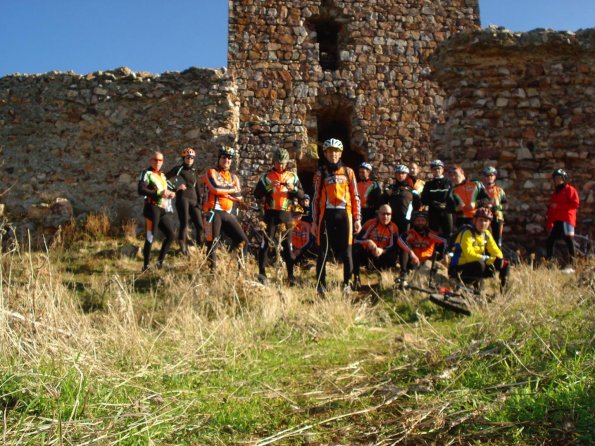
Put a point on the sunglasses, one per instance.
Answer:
(158, 159)
(227, 157)
(386, 213)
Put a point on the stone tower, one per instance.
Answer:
(356, 70)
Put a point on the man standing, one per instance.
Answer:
(435, 197)
(369, 191)
(157, 209)
(188, 199)
(335, 212)
(279, 187)
(222, 192)
(401, 198)
(497, 200)
(465, 196)
(561, 214)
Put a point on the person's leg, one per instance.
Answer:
(471, 273)
(213, 235)
(263, 257)
(167, 227)
(196, 218)
(182, 208)
(323, 252)
(497, 228)
(151, 214)
(232, 228)
(569, 239)
(556, 232)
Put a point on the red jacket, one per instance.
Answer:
(563, 205)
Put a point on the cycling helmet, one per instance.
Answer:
(188, 151)
(333, 143)
(226, 151)
(483, 213)
(489, 170)
(436, 163)
(401, 168)
(280, 156)
(560, 173)
(366, 166)
(306, 197)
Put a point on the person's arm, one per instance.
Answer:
(355, 202)
(297, 190)
(260, 191)
(145, 188)
(316, 201)
(573, 198)
(492, 248)
(218, 189)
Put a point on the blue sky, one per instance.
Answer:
(156, 35)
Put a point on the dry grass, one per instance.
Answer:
(187, 321)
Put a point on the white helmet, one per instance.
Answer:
(333, 143)
(401, 168)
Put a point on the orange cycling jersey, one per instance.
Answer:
(466, 193)
(497, 199)
(364, 189)
(384, 236)
(222, 189)
(275, 184)
(300, 236)
(335, 190)
(423, 246)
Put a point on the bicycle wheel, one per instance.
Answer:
(455, 304)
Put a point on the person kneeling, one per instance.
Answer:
(418, 245)
(377, 242)
(476, 253)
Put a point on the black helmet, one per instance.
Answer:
(227, 151)
(560, 173)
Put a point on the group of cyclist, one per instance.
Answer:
(349, 217)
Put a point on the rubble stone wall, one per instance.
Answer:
(524, 103)
(379, 91)
(87, 138)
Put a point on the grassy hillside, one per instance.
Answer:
(94, 353)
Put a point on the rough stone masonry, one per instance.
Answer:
(397, 80)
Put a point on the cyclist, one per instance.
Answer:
(302, 244)
(377, 241)
(222, 194)
(369, 191)
(464, 197)
(561, 214)
(279, 187)
(418, 183)
(418, 245)
(336, 212)
(435, 197)
(188, 198)
(497, 200)
(476, 255)
(157, 209)
(400, 197)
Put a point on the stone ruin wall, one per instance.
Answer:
(524, 103)
(87, 138)
(521, 102)
(379, 92)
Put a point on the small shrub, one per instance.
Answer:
(97, 225)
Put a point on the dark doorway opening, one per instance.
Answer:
(331, 121)
(327, 36)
